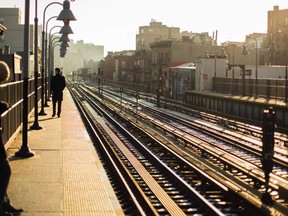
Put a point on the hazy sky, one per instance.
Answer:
(115, 23)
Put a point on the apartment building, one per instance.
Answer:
(277, 33)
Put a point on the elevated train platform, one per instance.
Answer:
(65, 176)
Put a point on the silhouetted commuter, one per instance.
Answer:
(5, 170)
(57, 86)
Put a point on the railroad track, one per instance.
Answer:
(195, 179)
(248, 139)
(234, 158)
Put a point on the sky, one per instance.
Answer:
(115, 23)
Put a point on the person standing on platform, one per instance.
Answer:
(57, 86)
(5, 170)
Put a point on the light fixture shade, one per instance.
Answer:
(63, 52)
(273, 47)
(66, 29)
(64, 38)
(64, 44)
(244, 50)
(206, 54)
(63, 48)
(66, 14)
(223, 53)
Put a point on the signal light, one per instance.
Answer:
(268, 129)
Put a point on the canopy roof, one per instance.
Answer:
(2, 29)
(189, 65)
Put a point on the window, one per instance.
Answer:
(160, 58)
(167, 57)
(124, 75)
(123, 64)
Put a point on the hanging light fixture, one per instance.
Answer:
(206, 54)
(66, 14)
(223, 53)
(244, 50)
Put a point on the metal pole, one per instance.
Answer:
(102, 84)
(256, 67)
(36, 125)
(52, 62)
(233, 71)
(50, 56)
(121, 91)
(286, 83)
(24, 151)
(215, 65)
(215, 68)
(42, 111)
(286, 73)
(137, 97)
(99, 88)
(49, 69)
(48, 62)
(46, 73)
(165, 89)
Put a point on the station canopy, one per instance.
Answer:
(2, 29)
(188, 65)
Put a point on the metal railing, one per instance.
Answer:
(11, 120)
(267, 88)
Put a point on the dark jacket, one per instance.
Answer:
(3, 107)
(3, 154)
(57, 86)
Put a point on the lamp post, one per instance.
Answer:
(286, 81)
(24, 150)
(49, 63)
(233, 71)
(286, 69)
(245, 52)
(65, 15)
(207, 55)
(137, 102)
(121, 92)
(52, 54)
(36, 125)
(42, 111)
(48, 92)
(47, 98)
(223, 54)
(215, 62)
(52, 41)
(63, 38)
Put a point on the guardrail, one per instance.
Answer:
(267, 88)
(11, 120)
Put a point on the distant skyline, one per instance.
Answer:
(114, 24)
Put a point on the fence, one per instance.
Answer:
(12, 93)
(267, 88)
